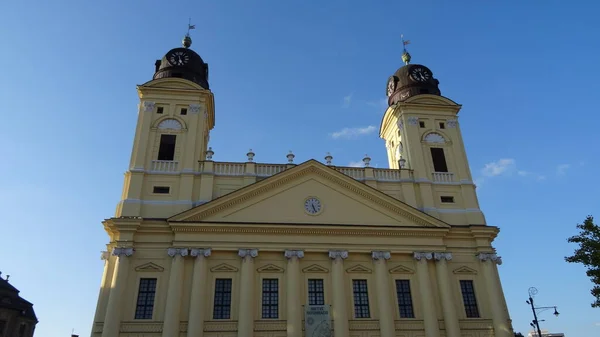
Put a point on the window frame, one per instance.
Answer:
(360, 304)
(160, 143)
(308, 291)
(270, 305)
(474, 298)
(214, 299)
(443, 153)
(410, 298)
(137, 298)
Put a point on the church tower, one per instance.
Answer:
(175, 116)
(422, 135)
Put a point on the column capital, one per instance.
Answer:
(293, 253)
(104, 255)
(381, 255)
(122, 251)
(442, 256)
(172, 252)
(195, 108)
(489, 257)
(423, 256)
(338, 254)
(248, 253)
(195, 252)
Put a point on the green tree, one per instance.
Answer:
(588, 254)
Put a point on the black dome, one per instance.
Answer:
(411, 80)
(183, 63)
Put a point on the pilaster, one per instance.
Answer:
(112, 320)
(386, 316)
(427, 302)
(500, 317)
(246, 307)
(294, 314)
(198, 293)
(173, 306)
(448, 307)
(340, 315)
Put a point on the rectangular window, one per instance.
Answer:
(183, 111)
(161, 189)
(447, 199)
(316, 293)
(469, 300)
(159, 110)
(405, 306)
(145, 300)
(166, 150)
(439, 159)
(270, 298)
(442, 125)
(222, 305)
(421, 124)
(361, 299)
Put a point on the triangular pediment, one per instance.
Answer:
(270, 268)
(149, 267)
(224, 268)
(359, 268)
(464, 270)
(315, 268)
(401, 270)
(282, 198)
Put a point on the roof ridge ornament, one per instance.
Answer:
(187, 40)
(405, 54)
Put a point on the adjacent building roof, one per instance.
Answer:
(10, 299)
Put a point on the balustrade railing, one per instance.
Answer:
(443, 177)
(164, 166)
(229, 169)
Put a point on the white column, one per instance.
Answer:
(294, 303)
(100, 305)
(112, 320)
(173, 306)
(429, 313)
(340, 315)
(246, 307)
(500, 317)
(198, 295)
(383, 290)
(450, 316)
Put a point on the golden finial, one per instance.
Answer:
(187, 40)
(405, 54)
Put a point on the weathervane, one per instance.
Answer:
(405, 54)
(187, 40)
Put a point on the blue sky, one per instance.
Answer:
(307, 76)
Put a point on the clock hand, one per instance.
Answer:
(313, 207)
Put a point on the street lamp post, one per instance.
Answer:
(536, 323)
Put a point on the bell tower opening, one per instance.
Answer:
(166, 150)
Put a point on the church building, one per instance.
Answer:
(201, 248)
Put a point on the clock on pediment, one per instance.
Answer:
(313, 205)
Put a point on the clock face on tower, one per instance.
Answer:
(420, 74)
(312, 205)
(179, 58)
(391, 86)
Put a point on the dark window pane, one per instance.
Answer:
(439, 159)
(316, 294)
(222, 305)
(270, 298)
(469, 300)
(405, 306)
(145, 300)
(161, 189)
(166, 150)
(361, 299)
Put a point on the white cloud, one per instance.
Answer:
(499, 167)
(562, 169)
(347, 101)
(355, 164)
(349, 133)
(531, 174)
(380, 104)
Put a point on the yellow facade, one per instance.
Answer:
(189, 229)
